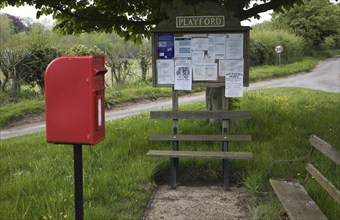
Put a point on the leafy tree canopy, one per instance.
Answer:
(131, 19)
(315, 20)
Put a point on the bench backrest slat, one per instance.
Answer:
(325, 148)
(200, 114)
(200, 138)
(324, 182)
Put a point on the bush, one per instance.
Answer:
(263, 42)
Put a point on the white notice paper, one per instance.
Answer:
(217, 46)
(197, 57)
(200, 43)
(234, 46)
(183, 74)
(165, 71)
(202, 72)
(182, 47)
(234, 85)
(231, 66)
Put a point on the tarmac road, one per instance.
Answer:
(325, 77)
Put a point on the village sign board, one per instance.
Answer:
(199, 21)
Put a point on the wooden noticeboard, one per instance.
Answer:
(203, 56)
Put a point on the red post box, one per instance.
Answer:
(74, 97)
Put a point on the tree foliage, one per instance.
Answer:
(36, 63)
(120, 63)
(5, 29)
(315, 20)
(131, 19)
(18, 24)
(12, 65)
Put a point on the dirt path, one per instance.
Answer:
(197, 202)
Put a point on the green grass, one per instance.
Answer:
(37, 178)
(15, 111)
(269, 72)
(282, 121)
(139, 90)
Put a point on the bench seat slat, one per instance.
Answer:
(200, 138)
(200, 114)
(296, 201)
(325, 148)
(201, 154)
(324, 182)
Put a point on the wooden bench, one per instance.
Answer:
(224, 138)
(201, 154)
(294, 198)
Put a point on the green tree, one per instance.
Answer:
(119, 62)
(82, 50)
(18, 25)
(5, 29)
(315, 20)
(144, 58)
(12, 65)
(35, 65)
(131, 19)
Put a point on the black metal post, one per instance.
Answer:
(174, 162)
(78, 181)
(225, 161)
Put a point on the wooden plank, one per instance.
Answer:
(200, 138)
(325, 148)
(201, 154)
(200, 114)
(296, 201)
(324, 182)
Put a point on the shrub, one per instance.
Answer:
(263, 42)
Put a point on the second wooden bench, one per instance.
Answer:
(224, 138)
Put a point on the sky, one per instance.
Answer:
(30, 11)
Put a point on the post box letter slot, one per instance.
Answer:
(100, 123)
(99, 109)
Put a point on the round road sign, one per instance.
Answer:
(279, 49)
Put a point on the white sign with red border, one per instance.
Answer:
(279, 49)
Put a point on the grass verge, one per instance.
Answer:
(37, 178)
(16, 111)
(138, 91)
(269, 72)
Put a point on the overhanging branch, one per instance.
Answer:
(271, 5)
